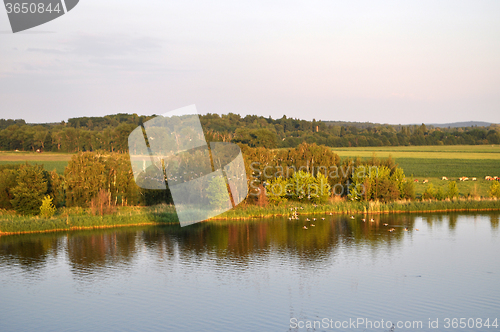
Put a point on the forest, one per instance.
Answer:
(110, 133)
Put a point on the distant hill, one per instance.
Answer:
(364, 125)
(460, 124)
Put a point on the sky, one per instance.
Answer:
(378, 61)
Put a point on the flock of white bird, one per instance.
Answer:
(295, 216)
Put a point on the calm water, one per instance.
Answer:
(269, 275)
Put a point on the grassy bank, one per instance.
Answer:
(347, 207)
(78, 218)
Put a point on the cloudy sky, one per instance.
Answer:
(379, 61)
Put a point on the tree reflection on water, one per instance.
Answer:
(91, 252)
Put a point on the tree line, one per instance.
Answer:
(110, 133)
(96, 175)
(307, 173)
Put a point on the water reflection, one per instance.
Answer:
(90, 252)
(494, 221)
(29, 252)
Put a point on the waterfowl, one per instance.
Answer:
(313, 225)
(406, 229)
(386, 224)
(307, 219)
(314, 219)
(352, 217)
(363, 219)
(392, 230)
(323, 218)
(417, 229)
(305, 227)
(372, 220)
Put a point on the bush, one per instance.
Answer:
(276, 191)
(430, 192)
(452, 190)
(102, 204)
(408, 190)
(385, 190)
(47, 209)
(494, 190)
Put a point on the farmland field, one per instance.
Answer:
(50, 161)
(427, 152)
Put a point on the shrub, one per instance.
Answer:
(102, 204)
(430, 192)
(452, 190)
(47, 209)
(408, 190)
(440, 195)
(385, 190)
(494, 190)
(262, 200)
(277, 191)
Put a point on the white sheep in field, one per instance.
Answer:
(425, 181)
(474, 179)
(444, 178)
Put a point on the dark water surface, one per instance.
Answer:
(270, 275)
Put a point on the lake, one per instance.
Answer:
(267, 275)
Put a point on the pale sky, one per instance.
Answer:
(378, 61)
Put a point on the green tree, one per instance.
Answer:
(30, 189)
(85, 175)
(217, 192)
(8, 180)
(47, 209)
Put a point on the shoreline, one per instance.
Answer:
(79, 219)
